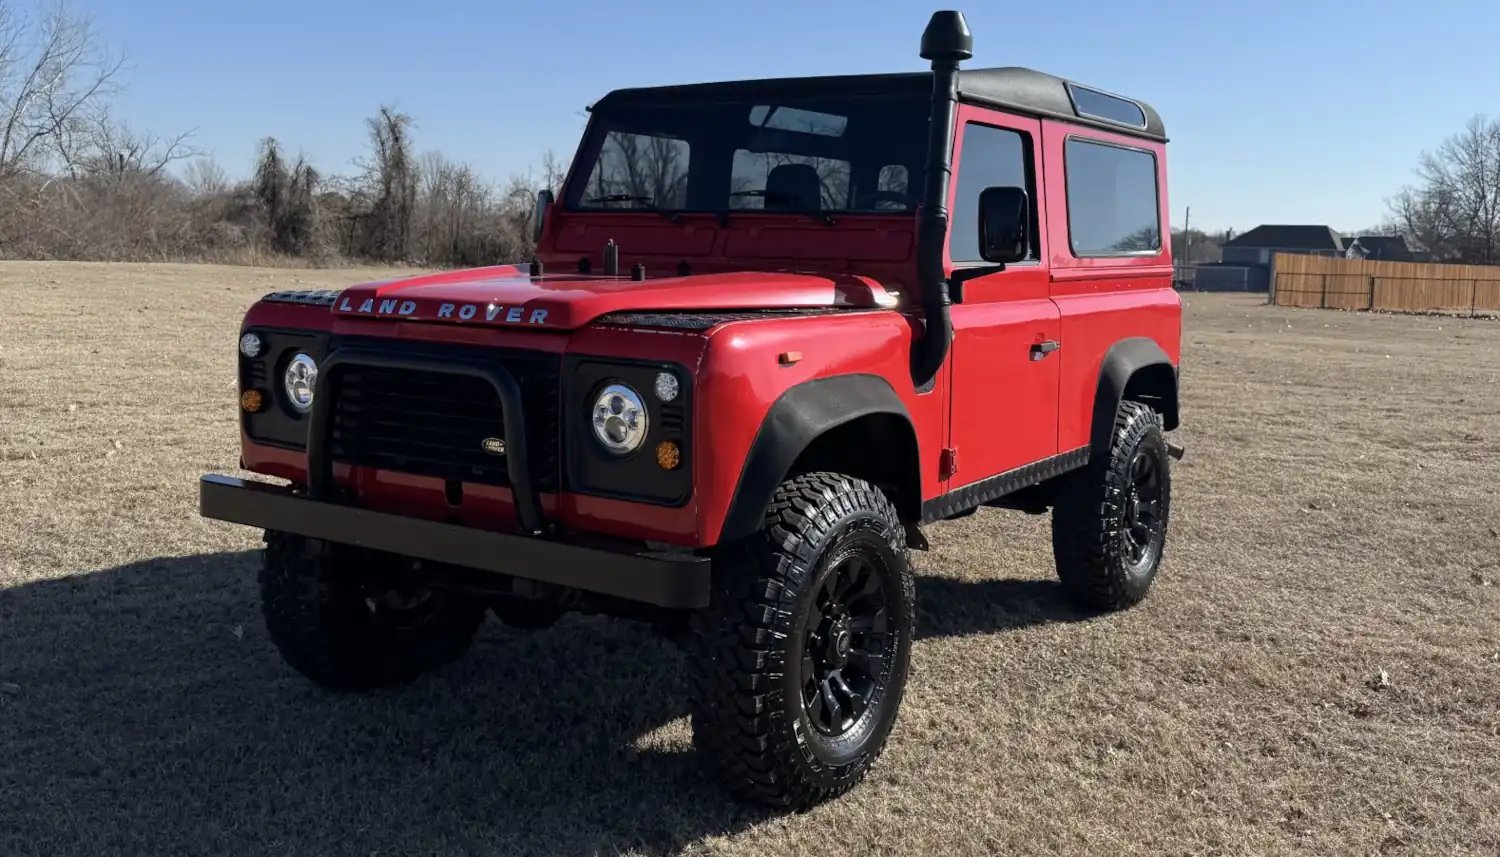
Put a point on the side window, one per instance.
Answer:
(1112, 199)
(639, 167)
(990, 157)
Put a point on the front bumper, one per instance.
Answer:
(667, 580)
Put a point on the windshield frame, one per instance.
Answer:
(901, 129)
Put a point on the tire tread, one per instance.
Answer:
(737, 661)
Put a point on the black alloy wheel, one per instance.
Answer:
(844, 666)
(800, 661)
(1143, 530)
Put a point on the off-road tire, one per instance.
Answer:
(315, 610)
(749, 673)
(1090, 519)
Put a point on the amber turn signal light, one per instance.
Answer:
(668, 456)
(251, 401)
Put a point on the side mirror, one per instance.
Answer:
(543, 200)
(1004, 213)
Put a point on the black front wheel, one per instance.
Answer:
(340, 621)
(801, 661)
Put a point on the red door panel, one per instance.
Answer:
(1003, 400)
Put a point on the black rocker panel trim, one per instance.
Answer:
(1121, 361)
(976, 494)
(794, 421)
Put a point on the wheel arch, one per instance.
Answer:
(1135, 369)
(853, 424)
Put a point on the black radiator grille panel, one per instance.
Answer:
(435, 423)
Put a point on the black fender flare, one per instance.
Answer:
(798, 417)
(1121, 362)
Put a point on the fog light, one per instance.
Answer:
(251, 400)
(668, 456)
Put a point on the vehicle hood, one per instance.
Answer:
(507, 296)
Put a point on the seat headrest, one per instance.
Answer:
(793, 186)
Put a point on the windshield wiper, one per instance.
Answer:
(788, 199)
(645, 201)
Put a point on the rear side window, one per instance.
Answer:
(990, 157)
(1112, 199)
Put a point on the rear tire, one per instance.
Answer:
(1109, 526)
(333, 624)
(800, 662)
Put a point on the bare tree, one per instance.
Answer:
(554, 172)
(391, 182)
(1454, 209)
(99, 146)
(205, 177)
(52, 71)
(288, 196)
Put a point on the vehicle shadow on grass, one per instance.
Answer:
(143, 710)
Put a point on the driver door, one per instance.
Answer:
(1004, 366)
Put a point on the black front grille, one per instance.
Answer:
(433, 423)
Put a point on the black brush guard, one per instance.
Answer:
(664, 579)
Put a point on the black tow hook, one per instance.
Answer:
(1175, 450)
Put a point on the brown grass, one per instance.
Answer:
(1335, 521)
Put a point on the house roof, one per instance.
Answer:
(1012, 88)
(1298, 237)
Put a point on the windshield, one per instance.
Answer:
(828, 154)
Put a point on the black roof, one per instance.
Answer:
(1014, 89)
(1289, 236)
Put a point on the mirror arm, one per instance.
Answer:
(962, 275)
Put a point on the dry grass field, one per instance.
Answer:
(1317, 671)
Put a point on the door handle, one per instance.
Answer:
(1042, 349)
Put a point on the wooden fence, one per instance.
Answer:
(1330, 283)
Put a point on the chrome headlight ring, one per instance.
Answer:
(620, 419)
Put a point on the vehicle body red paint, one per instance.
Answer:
(994, 404)
(738, 398)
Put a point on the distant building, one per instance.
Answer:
(1245, 260)
(1258, 245)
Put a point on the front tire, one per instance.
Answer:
(333, 623)
(1109, 527)
(800, 662)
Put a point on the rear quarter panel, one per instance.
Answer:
(1103, 300)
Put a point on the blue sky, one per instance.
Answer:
(1280, 111)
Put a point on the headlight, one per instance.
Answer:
(620, 419)
(300, 380)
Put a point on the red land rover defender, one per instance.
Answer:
(771, 329)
